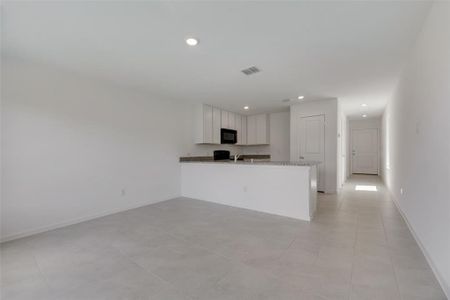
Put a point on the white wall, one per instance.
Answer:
(342, 147)
(71, 144)
(370, 123)
(329, 108)
(279, 138)
(416, 135)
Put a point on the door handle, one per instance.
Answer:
(302, 157)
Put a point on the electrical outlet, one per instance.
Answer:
(401, 191)
(123, 192)
(245, 189)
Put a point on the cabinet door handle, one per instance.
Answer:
(302, 157)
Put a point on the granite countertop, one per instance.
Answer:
(266, 163)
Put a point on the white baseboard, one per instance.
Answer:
(34, 231)
(432, 265)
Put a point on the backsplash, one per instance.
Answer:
(207, 150)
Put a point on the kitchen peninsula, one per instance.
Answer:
(283, 188)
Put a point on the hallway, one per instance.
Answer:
(367, 226)
(357, 247)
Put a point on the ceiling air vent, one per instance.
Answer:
(250, 71)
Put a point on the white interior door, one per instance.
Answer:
(312, 145)
(365, 151)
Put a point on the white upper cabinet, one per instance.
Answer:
(238, 127)
(258, 129)
(241, 127)
(231, 120)
(216, 125)
(262, 129)
(243, 130)
(207, 124)
(224, 121)
(203, 124)
(251, 130)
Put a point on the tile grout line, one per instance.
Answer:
(170, 234)
(235, 261)
(364, 211)
(148, 271)
(47, 283)
(391, 258)
(354, 257)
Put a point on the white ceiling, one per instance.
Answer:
(352, 51)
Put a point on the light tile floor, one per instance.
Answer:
(357, 247)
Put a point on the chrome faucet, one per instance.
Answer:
(236, 156)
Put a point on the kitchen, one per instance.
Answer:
(224, 150)
(244, 179)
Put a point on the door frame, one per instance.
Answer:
(378, 150)
(324, 149)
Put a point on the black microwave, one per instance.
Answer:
(228, 136)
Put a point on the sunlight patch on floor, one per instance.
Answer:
(369, 188)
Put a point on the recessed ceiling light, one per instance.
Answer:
(246, 107)
(191, 41)
(300, 97)
(364, 116)
(363, 105)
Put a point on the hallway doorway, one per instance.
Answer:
(365, 151)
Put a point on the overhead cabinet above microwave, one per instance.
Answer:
(209, 120)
